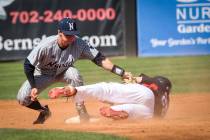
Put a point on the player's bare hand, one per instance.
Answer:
(34, 94)
(127, 77)
(138, 79)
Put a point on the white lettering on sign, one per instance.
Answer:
(182, 28)
(102, 41)
(193, 16)
(19, 44)
(155, 42)
(28, 43)
(173, 42)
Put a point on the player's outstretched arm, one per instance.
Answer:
(108, 65)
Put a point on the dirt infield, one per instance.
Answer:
(188, 118)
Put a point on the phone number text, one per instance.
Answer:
(50, 16)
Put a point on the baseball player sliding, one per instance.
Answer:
(53, 61)
(144, 98)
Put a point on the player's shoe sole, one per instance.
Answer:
(110, 113)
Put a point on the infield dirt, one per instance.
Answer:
(188, 118)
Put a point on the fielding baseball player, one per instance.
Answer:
(52, 61)
(147, 97)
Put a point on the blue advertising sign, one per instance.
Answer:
(173, 27)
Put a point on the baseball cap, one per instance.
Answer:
(68, 26)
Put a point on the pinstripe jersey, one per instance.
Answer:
(49, 59)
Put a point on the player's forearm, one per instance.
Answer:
(105, 63)
(108, 65)
(29, 72)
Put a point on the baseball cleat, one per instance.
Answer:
(83, 114)
(43, 116)
(110, 113)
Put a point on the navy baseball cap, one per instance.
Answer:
(68, 26)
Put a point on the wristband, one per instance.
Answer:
(118, 70)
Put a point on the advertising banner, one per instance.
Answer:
(173, 27)
(23, 23)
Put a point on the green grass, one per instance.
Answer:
(22, 134)
(188, 74)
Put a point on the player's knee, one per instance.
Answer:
(73, 77)
(78, 81)
(23, 99)
(23, 95)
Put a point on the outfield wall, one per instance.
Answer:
(116, 28)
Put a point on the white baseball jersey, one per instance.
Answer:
(49, 59)
(135, 99)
